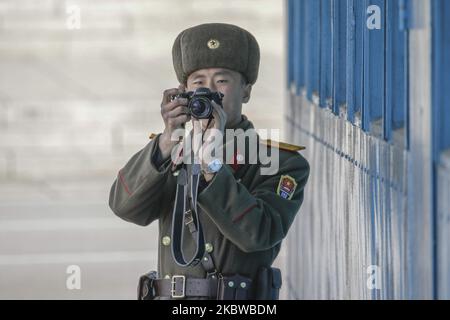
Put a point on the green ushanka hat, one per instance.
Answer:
(216, 45)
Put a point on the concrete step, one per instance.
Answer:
(36, 115)
(69, 235)
(25, 199)
(80, 78)
(113, 276)
(125, 26)
(44, 164)
(265, 8)
(70, 135)
(48, 25)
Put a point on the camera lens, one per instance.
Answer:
(200, 108)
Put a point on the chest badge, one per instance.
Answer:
(286, 187)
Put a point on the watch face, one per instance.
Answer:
(215, 165)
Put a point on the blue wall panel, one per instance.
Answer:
(291, 43)
(396, 71)
(441, 138)
(374, 63)
(326, 75)
(312, 46)
(359, 14)
(351, 60)
(339, 31)
(299, 33)
(441, 78)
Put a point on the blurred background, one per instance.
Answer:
(81, 84)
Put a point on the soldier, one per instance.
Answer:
(244, 215)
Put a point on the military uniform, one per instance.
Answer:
(245, 215)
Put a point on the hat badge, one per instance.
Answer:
(213, 43)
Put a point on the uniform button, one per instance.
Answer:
(209, 247)
(243, 284)
(166, 240)
(231, 284)
(167, 276)
(205, 258)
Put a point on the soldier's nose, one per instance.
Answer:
(212, 87)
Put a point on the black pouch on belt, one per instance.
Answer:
(268, 284)
(145, 290)
(234, 287)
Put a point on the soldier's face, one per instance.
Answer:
(230, 83)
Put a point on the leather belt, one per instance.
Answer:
(180, 287)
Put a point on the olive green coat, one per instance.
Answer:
(243, 217)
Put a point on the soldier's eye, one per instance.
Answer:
(222, 81)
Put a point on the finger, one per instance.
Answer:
(196, 133)
(179, 121)
(167, 94)
(174, 104)
(197, 125)
(218, 113)
(218, 109)
(177, 111)
(205, 123)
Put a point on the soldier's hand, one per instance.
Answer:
(175, 114)
(217, 122)
(212, 133)
(219, 117)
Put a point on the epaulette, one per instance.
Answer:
(282, 145)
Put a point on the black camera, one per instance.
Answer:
(199, 102)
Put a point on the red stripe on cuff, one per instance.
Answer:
(244, 213)
(122, 180)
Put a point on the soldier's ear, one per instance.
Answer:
(246, 93)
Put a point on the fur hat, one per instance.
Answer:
(216, 45)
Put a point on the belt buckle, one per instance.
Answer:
(173, 290)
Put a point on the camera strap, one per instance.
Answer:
(185, 212)
(194, 172)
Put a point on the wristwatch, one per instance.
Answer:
(214, 166)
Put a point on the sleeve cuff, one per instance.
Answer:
(158, 163)
(223, 198)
